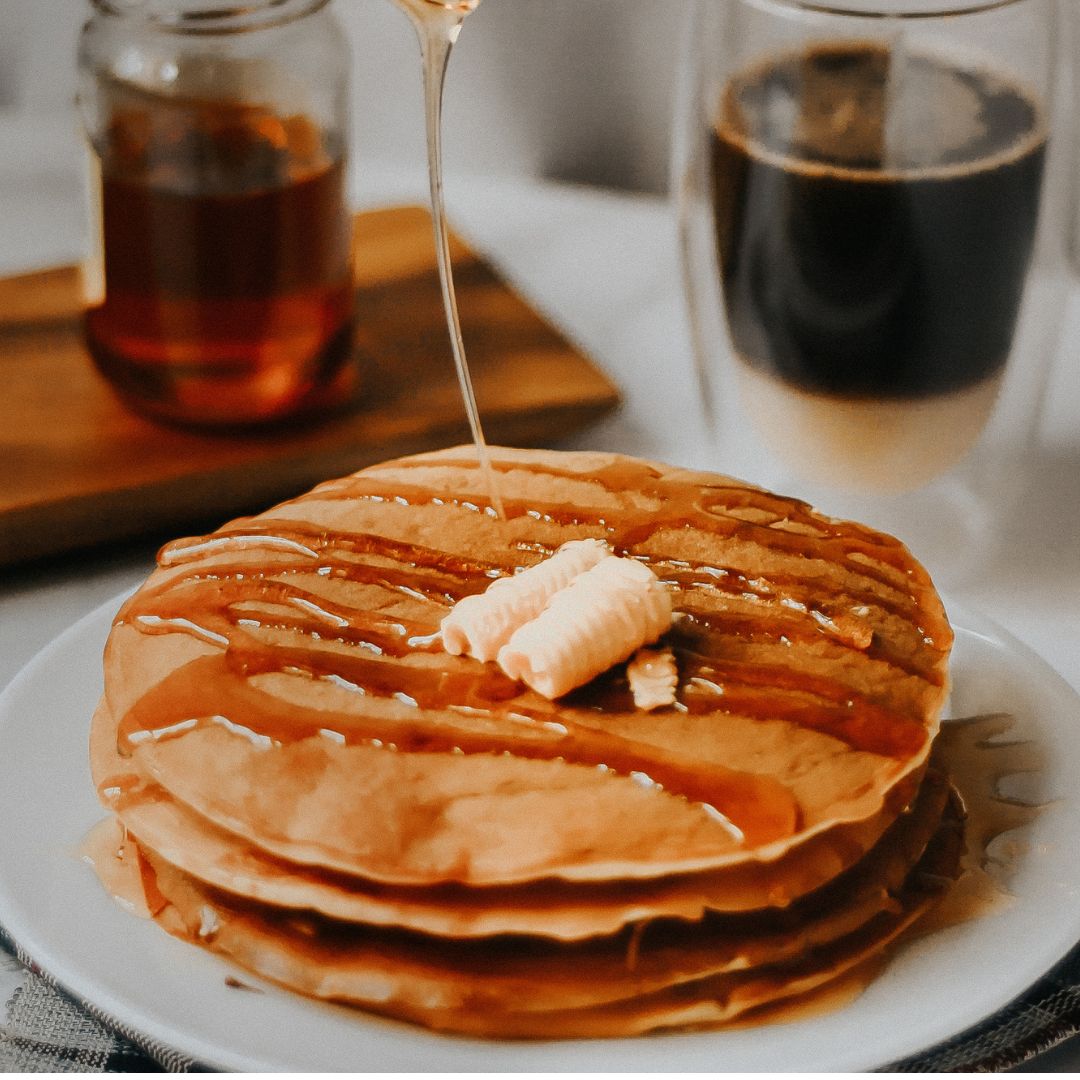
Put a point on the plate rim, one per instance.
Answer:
(133, 1019)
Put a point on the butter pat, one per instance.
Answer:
(601, 618)
(481, 625)
(653, 677)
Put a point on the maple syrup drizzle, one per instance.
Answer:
(979, 753)
(861, 552)
(213, 687)
(769, 627)
(861, 726)
(323, 542)
(628, 475)
(120, 867)
(259, 601)
(437, 24)
(776, 588)
(743, 687)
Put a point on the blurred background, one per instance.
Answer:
(574, 90)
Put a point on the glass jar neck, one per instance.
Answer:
(209, 16)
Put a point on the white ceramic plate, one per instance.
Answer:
(935, 987)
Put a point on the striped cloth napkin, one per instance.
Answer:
(42, 1029)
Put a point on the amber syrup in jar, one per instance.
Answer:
(226, 287)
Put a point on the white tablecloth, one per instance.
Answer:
(603, 267)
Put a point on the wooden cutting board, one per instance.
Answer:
(77, 469)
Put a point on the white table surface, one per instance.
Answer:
(603, 267)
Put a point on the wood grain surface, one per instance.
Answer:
(80, 470)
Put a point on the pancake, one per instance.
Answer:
(512, 987)
(550, 909)
(282, 732)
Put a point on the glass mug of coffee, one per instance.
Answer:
(220, 293)
(872, 216)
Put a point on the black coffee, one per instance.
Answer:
(871, 249)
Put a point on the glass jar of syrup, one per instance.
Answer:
(221, 291)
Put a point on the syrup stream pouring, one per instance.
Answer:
(438, 23)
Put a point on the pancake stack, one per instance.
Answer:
(313, 787)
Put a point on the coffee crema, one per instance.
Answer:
(875, 221)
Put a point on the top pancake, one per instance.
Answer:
(283, 679)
